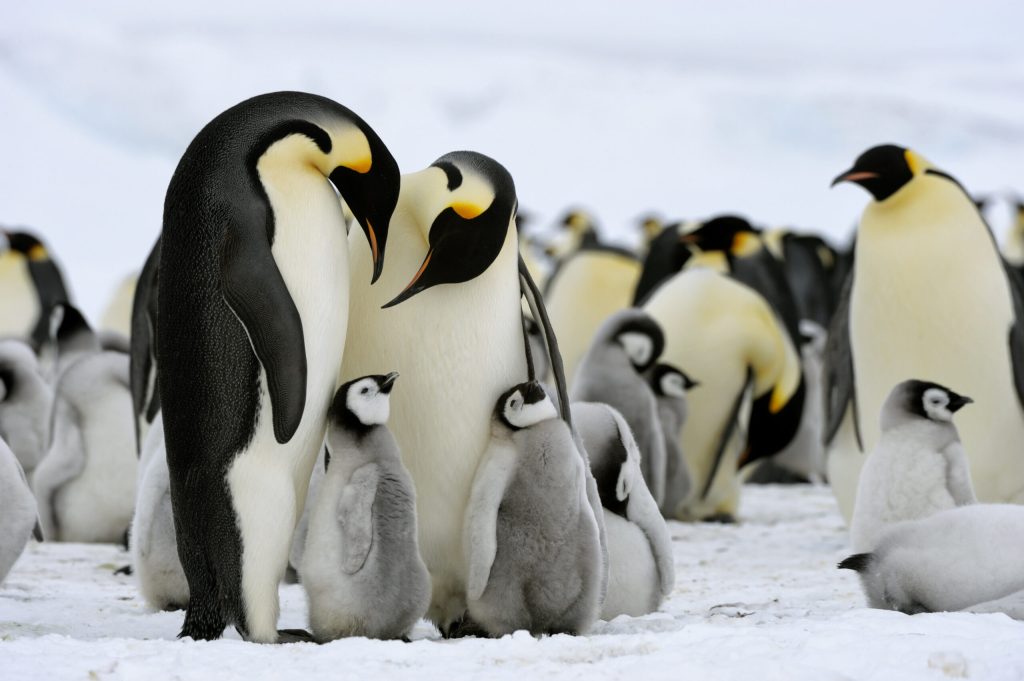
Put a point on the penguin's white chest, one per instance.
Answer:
(20, 305)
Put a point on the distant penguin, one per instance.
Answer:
(532, 540)
(670, 386)
(649, 226)
(70, 338)
(85, 485)
(807, 262)
(32, 284)
(17, 510)
(751, 396)
(25, 400)
(117, 315)
(667, 254)
(362, 569)
(145, 391)
(918, 466)
(251, 324)
(968, 558)
(1013, 245)
(929, 296)
(153, 543)
(576, 229)
(447, 315)
(641, 571)
(626, 345)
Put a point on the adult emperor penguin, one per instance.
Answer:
(361, 568)
(1013, 245)
(928, 296)
(457, 341)
(918, 466)
(25, 400)
(254, 282)
(751, 395)
(17, 510)
(967, 558)
(32, 284)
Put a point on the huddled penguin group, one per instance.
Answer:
(336, 372)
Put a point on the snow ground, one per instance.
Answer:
(687, 109)
(761, 599)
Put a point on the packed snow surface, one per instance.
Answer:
(758, 600)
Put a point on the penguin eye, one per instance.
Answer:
(514, 403)
(364, 391)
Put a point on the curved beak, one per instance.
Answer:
(388, 382)
(414, 286)
(958, 401)
(853, 175)
(376, 250)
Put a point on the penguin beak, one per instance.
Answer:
(689, 383)
(854, 175)
(388, 382)
(414, 286)
(956, 402)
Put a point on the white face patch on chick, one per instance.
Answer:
(936, 404)
(365, 399)
(520, 414)
(673, 385)
(639, 347)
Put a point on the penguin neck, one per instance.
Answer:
(713, 260)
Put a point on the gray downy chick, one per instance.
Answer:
(25, 399)
(670, 385)
(17, 510)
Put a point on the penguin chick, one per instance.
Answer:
(670, 386)
(641, 571)
(968, 558)
(25, 399)
(85, 484)
(17, 510)
(531, 536)
(362, 569)
(918, 466)
(627, 344)
(302, 528)
(154, 546)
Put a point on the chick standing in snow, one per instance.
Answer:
(17, 510)
(918, 466)
(670, 386)
(362, 569)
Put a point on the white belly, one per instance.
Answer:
(19, 304)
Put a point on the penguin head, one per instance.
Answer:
(525, 405)
(885, 169)
(364, 402)
(26, 244)
(470, 200)
(729, 234)
(575, 230)
(636, 333)
(650, 226)
(916, 399)
(670, 381)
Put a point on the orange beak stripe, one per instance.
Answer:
(423, 268)
(373, 241)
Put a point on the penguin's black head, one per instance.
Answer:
(670, 381)
(927, 400)
(363, 403)
(467, 235)
(637, 334)
(650, 226)
(28, 245)
(371, 193)
(726, 233)
(885, 169)
(525, 405)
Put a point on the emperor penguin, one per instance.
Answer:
(807, 262)
(586, 287)
(670, 386)
(17, 510)
(576, 229)
(153, 540)
(967, 558)
(70, 338)
(667, 254)
(447, 315)
(929, 296)
(85, 485)
(142, 365)
(918, 466)
(1013, 245)
(641, 569)
(32, 284)
(626, 345)
(25, 400)
(117, 315)
(251, 323)
(531, 536)
(362, 570)
(751, 396)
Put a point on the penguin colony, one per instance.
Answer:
(241, 421)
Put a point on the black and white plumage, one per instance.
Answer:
(929, 296)
(532, 539)
(641, 571)
(626, 345)
(361, 569)
(25, 400)
(145, 391)
(17, 510)
(918, 466)
(670, 386)
(968, 558)
(32, 284)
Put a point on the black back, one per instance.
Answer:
(666, 256)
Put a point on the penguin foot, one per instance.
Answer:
(462, 628)
(294, 636)
(291, 575)
(123, 570)
(723, 518)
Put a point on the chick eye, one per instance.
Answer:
(364, 391)
(514, 404)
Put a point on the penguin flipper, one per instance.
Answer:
(838, 369)
(355, 517)
(257, 294)
(143, 338)
(480, 530)
(1015, 280)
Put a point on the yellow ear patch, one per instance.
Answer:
(914, 162)
(466, 210)
(37, 253)
(778, 400)
(361, 165)
(744, 244)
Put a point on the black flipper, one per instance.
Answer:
(1016, 339)
(259, 297)
(840, 392)
(769, 433)
(858, 562)
(730, 426)
(540, 315)
(143, 341)
(50, 290)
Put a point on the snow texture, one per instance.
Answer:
(762, 599)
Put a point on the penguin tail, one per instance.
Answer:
(858, 562)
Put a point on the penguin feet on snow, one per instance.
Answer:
(918, 466)
(531, 537)
(641, 572)
(25, 399)
(362, 569)
(17, 510)
(968, 558)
